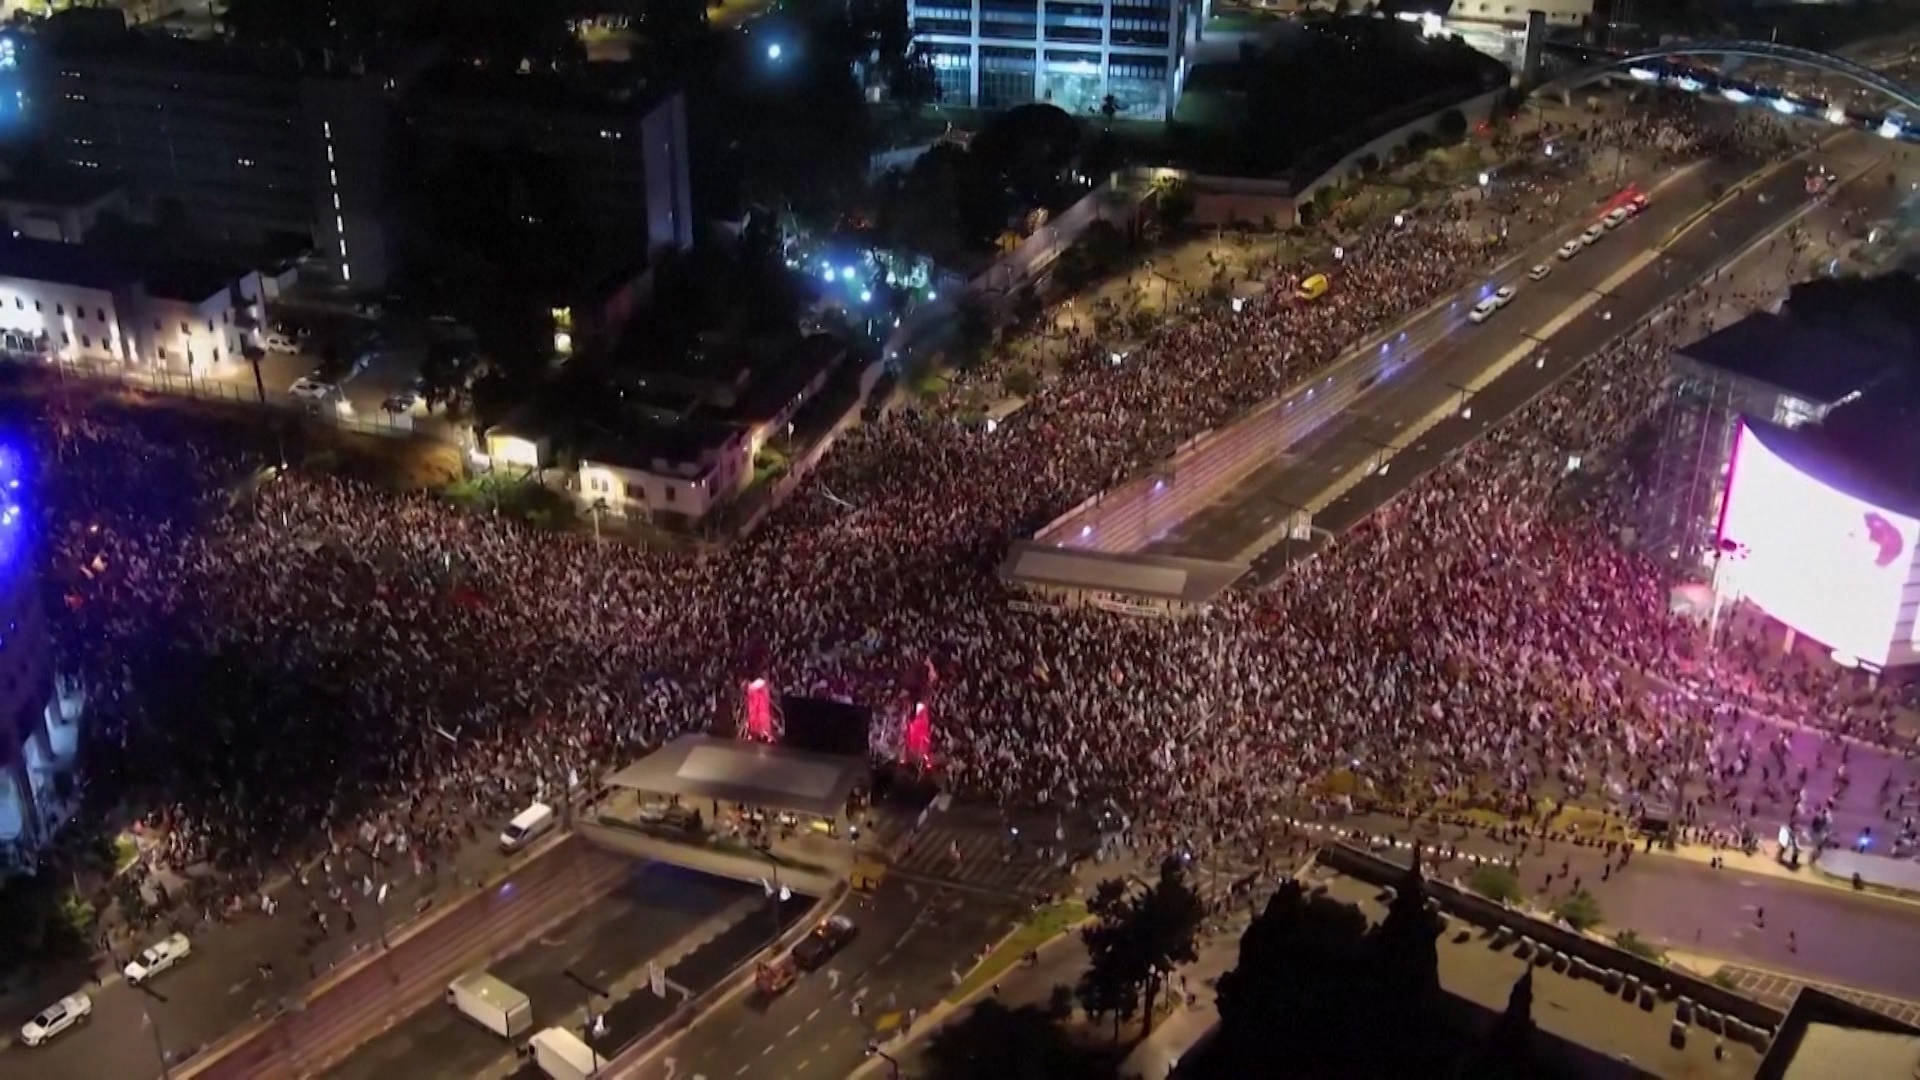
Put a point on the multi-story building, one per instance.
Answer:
(994, 54)
(74, 304)
(39, 712)
(622, 145)
(253, 145)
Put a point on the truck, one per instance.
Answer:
(492, 1004)
(564, 1056)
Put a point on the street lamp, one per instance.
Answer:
(773, 51)
(1484, 179)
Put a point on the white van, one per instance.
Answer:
(563, 1055)
(526, 826)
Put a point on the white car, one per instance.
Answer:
(157, 958)
(1539, 271)
(280, 343)
(308, 388)
(1569, 249)
(1593, 234)
(56, 1018)
(1617, 217)
(1503, 295)
(1484, 310)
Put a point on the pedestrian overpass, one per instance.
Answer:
(1736, 49)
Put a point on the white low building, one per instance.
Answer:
(67, 303)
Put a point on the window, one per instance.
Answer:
(156, 326)
(185, 329)
(86, 342)
(209, 326)
(19, 303)
(64, 339)
(59, 309)
(163, 352)
(102, 312)
(37, 307)
(669, 490)
(216, 354)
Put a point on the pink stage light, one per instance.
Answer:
(759, 711)
(1829, 564)
(917, 747)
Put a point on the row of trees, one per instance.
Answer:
(1316, 992)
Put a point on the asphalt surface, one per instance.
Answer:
(220, 986)
(913, 937)
(1851, 939)
(1725, 232)
(310, 1034)
(1563, 317)
(653, 906)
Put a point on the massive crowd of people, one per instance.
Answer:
(285, 663)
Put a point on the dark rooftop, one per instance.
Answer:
(635, 445)
(1818, 364)
(60, 187)
(604, 86)
(187, 280)
(71, 264)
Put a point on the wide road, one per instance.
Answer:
(1711, 243)
(652, 908)
(912, 937)
(1444, 358)
(221, 987)
(325, 1026)
(1852, 939)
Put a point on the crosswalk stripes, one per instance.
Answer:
(986, 859)
(1780, 990)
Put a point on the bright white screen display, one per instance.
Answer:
(1828, 564)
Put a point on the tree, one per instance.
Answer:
(1142, 935)
(993, 1042)
(972, 329)
(1452, 126)
(1406, 961)
(1579, 910)
(1293, 1002)
(1109, 108)
(1496, 883)
(1506, 1053)
(1176, 203)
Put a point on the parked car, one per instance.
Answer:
(1539, 271)
(279, 342)
(56, 1018)
(157, 958)
(401, 402)
(1569, 249)
(1616, 217)
(1483, 310)
(823, 941)
(1593, 234)
(308, 388)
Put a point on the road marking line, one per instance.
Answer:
(767, 1049)
(802, 1067)
(792, 1031)
(813, 1014)
(741, 1069)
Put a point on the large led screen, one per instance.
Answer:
(1826, 563)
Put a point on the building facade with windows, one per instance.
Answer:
(40, 712)
(71, 304)
(255, 146)
(995, 54)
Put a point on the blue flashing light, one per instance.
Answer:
(846, 273)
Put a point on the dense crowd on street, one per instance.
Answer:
(384, 674)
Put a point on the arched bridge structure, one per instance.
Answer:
(1756, 50)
